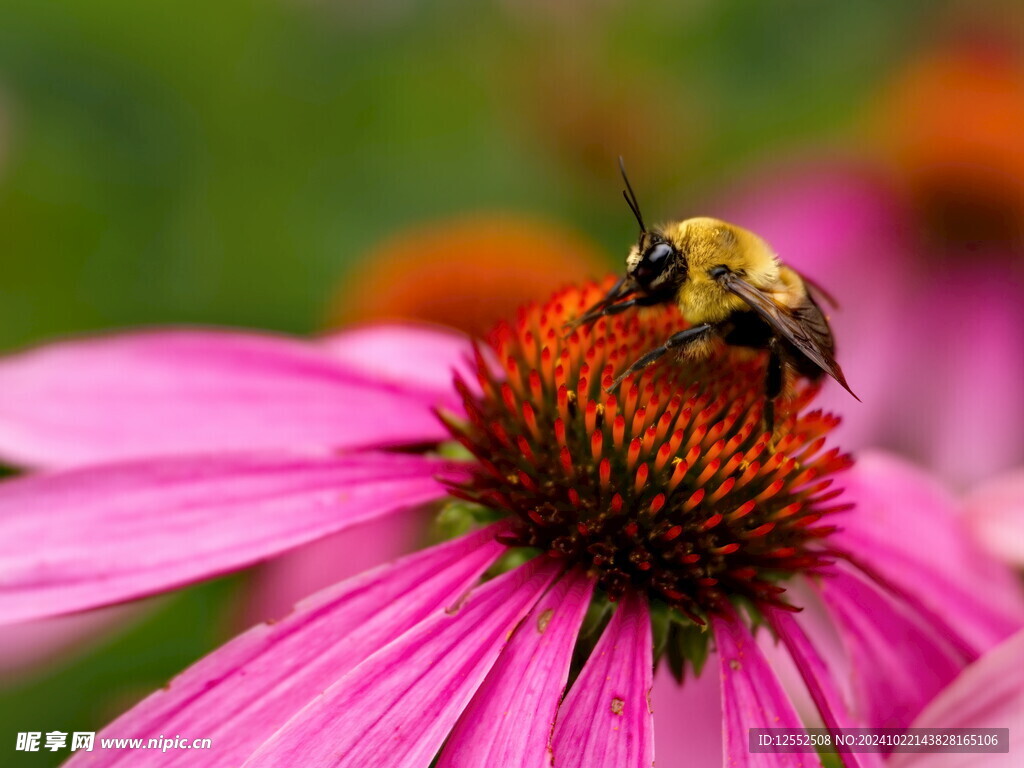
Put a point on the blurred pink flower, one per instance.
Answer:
(270, 443)
(987, 694)
(930, 340)
(995, 514)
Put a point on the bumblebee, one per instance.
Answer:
(729, 284)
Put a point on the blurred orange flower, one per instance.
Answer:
(950, 127)
(466, 273)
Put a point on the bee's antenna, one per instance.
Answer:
(630, 196)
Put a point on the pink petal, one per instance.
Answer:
(988, 694)
(910, 529)
(899, 664)
(689, 731)
(751, 698)
(994, 512)
(818, 214)
(245, 691)
(406, 354)
(508, 723)
(404, 700)
(83, 538)
(190, 391)
(30, 648)
(966, 412)
(606, 719)
(278, 584)
(820, 681)
(815, 621)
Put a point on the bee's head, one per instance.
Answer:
(656, 264)
(656, 267)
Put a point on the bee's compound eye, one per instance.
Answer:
(657, 255)
(653, 263)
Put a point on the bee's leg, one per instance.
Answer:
(675, 341)
(772, 384)
(614, 309)
(616, 293)
(640, 301)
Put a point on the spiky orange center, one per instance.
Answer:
(668, 485)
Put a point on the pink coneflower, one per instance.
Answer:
(607, 533)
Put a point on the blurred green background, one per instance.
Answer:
(226, 163)
(221, 162)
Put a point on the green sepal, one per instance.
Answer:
(457, 518)
(454, 450)
(679, 640)
(661, 625)
(510, 560)
(598, 614)
(692, 641)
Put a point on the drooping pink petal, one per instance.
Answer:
(27, 649)
(403, 701)
(606, 718)
(820, 681)
(689, 733)
(817, 624)
(249, 688)
(988, 694)
(83, 538)
(900, 663)
(788, 674)
(408, 355)
(751, 698)
(196, 391)
(278, 584)
(994, 512)
(910, 529)
(509, 721)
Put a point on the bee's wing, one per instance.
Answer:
(814, 286)
(804, 327)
